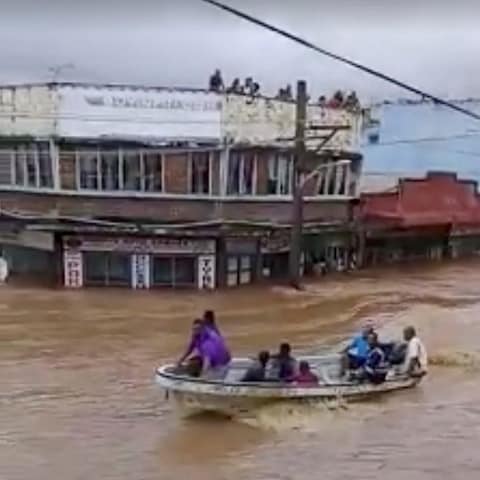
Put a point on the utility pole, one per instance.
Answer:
(297, 186)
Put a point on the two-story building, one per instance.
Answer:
(152, 187)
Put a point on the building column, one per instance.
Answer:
(224, 160)
(55, 160)
(58, 256)
(361, 249)
(348, 179)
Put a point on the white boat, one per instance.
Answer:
(230, 396)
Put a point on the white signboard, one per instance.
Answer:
(173, 246)
(73, 268)
(138, 113)
(140, 271)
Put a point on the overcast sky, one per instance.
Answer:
(432, 44)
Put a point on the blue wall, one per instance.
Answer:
(453, 145)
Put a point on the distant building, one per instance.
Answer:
(146, 187)
(414, 137)
(429, 218)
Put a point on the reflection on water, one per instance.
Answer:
(78, 400)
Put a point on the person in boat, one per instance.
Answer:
(208, 349)
(355, 353)
(305, 376)
(416, 360)
(257, 371)
(209, 321)
(214, 353)
(375, 368)
(283, 364)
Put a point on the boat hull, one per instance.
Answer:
(232, 397)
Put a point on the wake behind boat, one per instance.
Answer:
(230, 396)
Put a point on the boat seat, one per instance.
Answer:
(325, 376)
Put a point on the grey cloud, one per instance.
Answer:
(179, 42)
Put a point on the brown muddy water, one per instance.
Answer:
(77, 398)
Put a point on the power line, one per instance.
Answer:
(311, 46)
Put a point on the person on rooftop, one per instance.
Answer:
(235, 87)
(337, 100)
(216, 82)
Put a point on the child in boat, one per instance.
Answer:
(257, 371)
(305, 376)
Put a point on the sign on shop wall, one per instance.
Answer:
(73, 268)
(144, 245)
(93, 112)
(276, 243)
(206, 272)
(140, 271)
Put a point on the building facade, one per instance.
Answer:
(146, 187)
(412, 138)
(429, 218)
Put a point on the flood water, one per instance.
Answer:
(77, 398)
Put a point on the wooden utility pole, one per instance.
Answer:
(297, 186)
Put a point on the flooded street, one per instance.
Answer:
(77, 398)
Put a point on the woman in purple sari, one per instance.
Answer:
(209, 346)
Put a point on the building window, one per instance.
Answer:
(241, 173)
(239, 270)
(32, 166)
(45, 166)
(107, 268)
(174, 271)
(111, 170)
(200, 174)
(88, 169)
(153, 172)
(280, 168)
(132, 170)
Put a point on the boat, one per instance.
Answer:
(231, 397)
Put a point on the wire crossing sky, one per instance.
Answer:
(339, 58)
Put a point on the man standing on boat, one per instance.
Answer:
(416, 361)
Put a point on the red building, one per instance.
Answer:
(433, 217)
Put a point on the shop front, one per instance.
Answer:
(139, 263)
(241, 260)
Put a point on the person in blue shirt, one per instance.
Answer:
(375, 367)
(356, 352)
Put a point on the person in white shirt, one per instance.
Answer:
(416, 360)
(3, 269)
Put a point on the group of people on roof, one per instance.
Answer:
(364, 359)
(252, 88)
